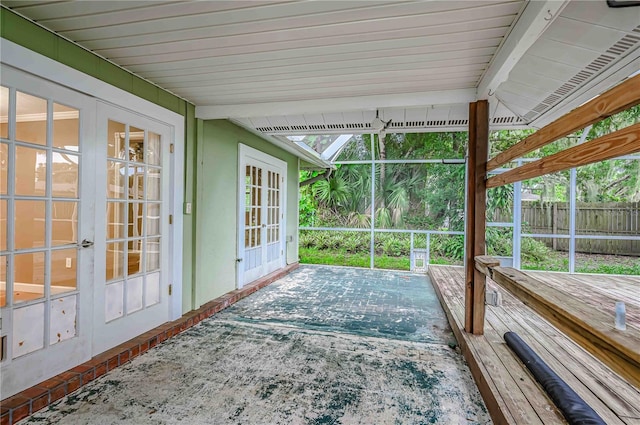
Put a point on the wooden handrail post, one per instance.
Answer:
(475, 281)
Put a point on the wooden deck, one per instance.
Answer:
(510, 392)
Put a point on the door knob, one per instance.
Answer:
(86, 243)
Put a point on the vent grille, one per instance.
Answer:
(458, 122)
(503, 120)
(602, 61)
(317, 127)
(397, 124)
(281, 128)
(299, 127)
(355, 125)
(335, 126)
(436, 123)
(415, 124)
(264, 129)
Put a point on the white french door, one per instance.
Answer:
(261, 247)
(132, 203)
(46, 228)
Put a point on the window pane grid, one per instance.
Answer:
(135, 207)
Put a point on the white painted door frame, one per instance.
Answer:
(250, 156)
(32, 62)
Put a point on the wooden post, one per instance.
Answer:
(476, 215)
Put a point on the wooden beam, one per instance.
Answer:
(476, 215)
(618, 143)
(590, 328)
(485, 263)
(621, 97)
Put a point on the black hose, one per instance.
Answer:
(574, 408)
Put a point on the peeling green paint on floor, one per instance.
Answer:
(321, 346)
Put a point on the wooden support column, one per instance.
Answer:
(476, 215)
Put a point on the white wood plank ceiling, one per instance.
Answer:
(295, 67)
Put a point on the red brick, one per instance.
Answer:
(4, 418)
(100, 370)
(15, 401)
(73, 384)
(112, 363)
(67, 376)
(20, 413)
(84, 367)
(153, 341)
(135, 351)
(144, 346)
(57, 393)
(34, 392)
(40, 402)
(124, 357)
(88, 376)
(51, 383)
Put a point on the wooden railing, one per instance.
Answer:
(618, 143)
(590, 328)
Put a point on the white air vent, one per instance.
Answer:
(335, 126)
(354, 125)
(299, 127)
(282, 128)
(265, 129)
(436, 123)
(397, 124)
(503, 120)
(458, 122)
(415, 124)
(317, 127)
(620, 47)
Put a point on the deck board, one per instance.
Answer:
(613, 398)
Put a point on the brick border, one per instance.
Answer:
(29, 401)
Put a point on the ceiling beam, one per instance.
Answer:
(533, 21)
(343, 104)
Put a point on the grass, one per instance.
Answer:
(343, 258)
(553, 261)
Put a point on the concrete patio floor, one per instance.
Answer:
(323, 345)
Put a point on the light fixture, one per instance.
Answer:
(377, 124)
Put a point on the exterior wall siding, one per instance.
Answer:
(217, 205)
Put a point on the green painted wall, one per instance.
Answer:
(25, 33)
(217, 223)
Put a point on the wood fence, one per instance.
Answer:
(602, 219)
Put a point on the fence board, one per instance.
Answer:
(602, 219)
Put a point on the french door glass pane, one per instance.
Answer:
(153, 219)
(134, 254)
(28, 281)
(115, 260)
(64, 175)
(116, 220)
(153, 149)
(153, 184)
(30, 219)
(116, 178)
(136, 144)
(153, 254)
(31, 171)
(66, 127)
(31, 119)
(63, 270)
(64, 223)
(116, 140)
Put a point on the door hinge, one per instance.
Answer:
(170, 289)
(171, 148)
(170, 218)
